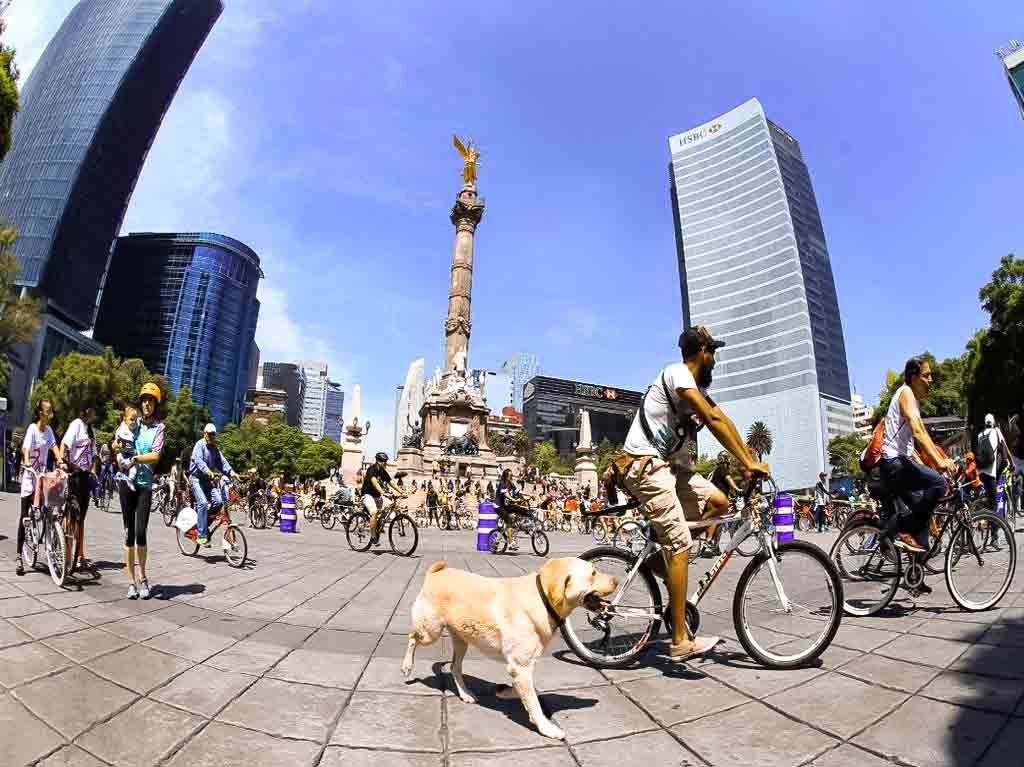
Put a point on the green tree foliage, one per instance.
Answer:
(946, 397)
(759, 439)
(844, 454)
(603, 453)
(521, 441)
(19, 315)
(9, 102)
(704, 465)
(545, 456)
(184, 420)
(318, 457)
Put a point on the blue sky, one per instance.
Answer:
(319, 132)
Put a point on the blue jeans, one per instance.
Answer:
(920, 489)
(205, 495)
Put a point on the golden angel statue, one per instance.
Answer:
(470, 155)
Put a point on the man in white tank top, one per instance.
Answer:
(918, 486)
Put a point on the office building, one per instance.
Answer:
(265, 404)
(186, 305)
(520, 368)
(1012, 59)
(287, 377)
(89, 113)
(254, 365)
(552, 412)
(863, 415)
(314, 398)
(334, 411)
(754, 268)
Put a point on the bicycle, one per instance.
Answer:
(527, 524)
(403, 535)
(873, 568)
(785, 581)
(44, 528)
(335, 510)
(233, 543)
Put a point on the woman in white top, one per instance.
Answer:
(38, 444)
(76, 452)
(918, 486)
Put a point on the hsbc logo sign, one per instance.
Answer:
(699, 135)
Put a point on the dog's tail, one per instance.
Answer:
(437, 567)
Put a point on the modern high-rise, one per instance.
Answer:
(286, 377)
(334, 411)
(186, 305)
(1012, 58)
(89, 113)
(754, 268)
(520, 367)
(314, 398)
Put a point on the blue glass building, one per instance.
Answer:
(89, 113)
(334, 412)
(185, 304)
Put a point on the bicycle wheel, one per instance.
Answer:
(468, 523)
(804, 521)
(497, 542)
(186, 545)
(981, 562)
(616, 636)
(327, 519)
(403, 535)
(566, 526)
(167, 512)
(870, 567)
(812, 587)
(33, 524)
(234, 546)
(57, 552)
(630, 537)
(357, 531)
(599, 533)
(540, 543)
(696, 550)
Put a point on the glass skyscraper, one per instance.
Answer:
(1012, 58)
(334, 413)
(520, 367)
(186, 305)
(754, 268)
(89, 113)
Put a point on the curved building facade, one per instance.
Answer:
(89, 113)
(754, 268)
(185, 304)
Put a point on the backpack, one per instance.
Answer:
(985, 455)
(873, 452)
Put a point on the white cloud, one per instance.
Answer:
(574, 325)
(30, 26)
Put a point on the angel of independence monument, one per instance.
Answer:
(454, 414)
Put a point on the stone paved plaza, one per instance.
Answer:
(294, 660)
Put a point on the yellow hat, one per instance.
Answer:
(151, 389)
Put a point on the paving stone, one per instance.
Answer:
(183, 615)
(381, 720)
(33, 738)
(249, 657)
(25, 605)
(753, 735)
(350, 757)
(982, 692)
(67, 599)
(71, 756)
(326, 668)
(203, 690)
(73, 700)
(492, 724)
(25, 662)
(101, 614)
(229, 626)
(11, 635)
(553, 674)
(139, 628)
(592, 713)
(190, 642)
(221, 744)
(928, 651)
(347, 642)
(302, 616)
(671, 701)
(1003, 635)
(833, 657)
(748, 677)
(992, 661)
(888, 672)
(139, 668)
(287, 709)
(836, 703)
(1007, 748)
(849, 756)
(927, 733)
(958, 631)
(86, 644)
(385, 675)
(647, 748)
(118, 741)
(48, 624)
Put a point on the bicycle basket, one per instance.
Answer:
(54, 489)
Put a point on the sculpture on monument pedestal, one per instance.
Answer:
(415, 436)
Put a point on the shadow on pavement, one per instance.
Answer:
(102, 564)
(164, 593)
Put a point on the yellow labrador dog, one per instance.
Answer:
(509, 619)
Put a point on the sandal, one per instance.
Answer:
(701, 646)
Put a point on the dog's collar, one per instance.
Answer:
(558, 619)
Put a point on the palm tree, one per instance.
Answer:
(759, 439)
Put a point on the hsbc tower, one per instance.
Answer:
(754, 269)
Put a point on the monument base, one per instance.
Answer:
(454, 413)
(410, 460)
(586, 473)
(351, 458)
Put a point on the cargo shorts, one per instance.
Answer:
(670, 496)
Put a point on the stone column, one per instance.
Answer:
(466, 215)
(586, 469)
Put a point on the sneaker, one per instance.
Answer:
(133, 592)
(203, 541)
(906, 542)
(144, 591)
(20, 569)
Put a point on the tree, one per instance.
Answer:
(9, 102)
(946, 397)
(277, 448)
(545, 456)
(521, 441)
(73, 383)
(603, 454)
(319, 457)
(844, 454)
(759, 439)
(704, 465)
(19, 314)
(184, 420)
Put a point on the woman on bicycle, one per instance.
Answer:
(76, 451)
(137, 494)
(39, 442)
(504, 503)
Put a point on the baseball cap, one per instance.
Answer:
(210, 429)
(692, 339)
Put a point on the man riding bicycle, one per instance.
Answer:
(376, 484)
(206, 466)
(918, 486)
(656, 467)
(504, 503)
